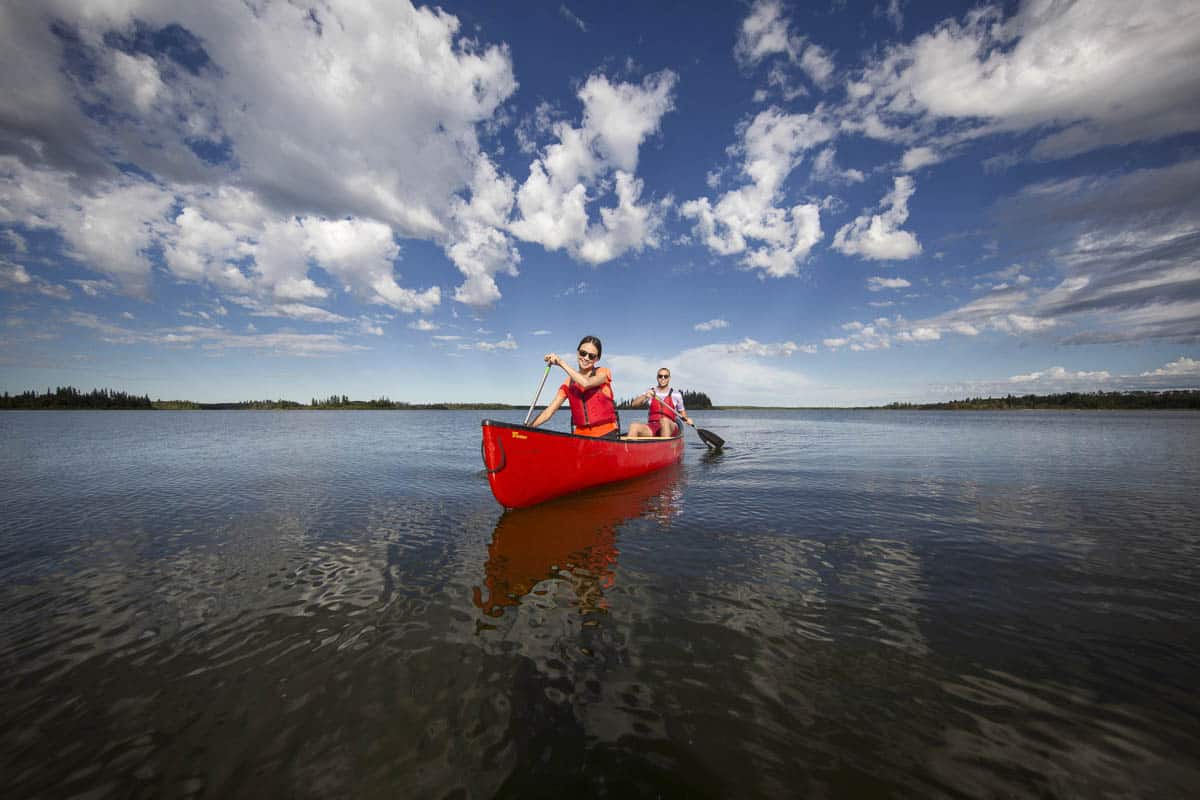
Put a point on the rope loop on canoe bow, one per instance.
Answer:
(483, 454)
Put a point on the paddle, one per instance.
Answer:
(529, 413)
(708, 437)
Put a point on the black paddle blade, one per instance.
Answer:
(711, 439)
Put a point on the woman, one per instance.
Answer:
(589, 390)
(666, 405)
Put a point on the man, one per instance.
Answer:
(666, 407)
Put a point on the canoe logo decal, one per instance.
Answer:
(517, 435)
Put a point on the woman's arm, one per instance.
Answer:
(548, 412)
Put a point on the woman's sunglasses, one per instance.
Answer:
(588, 356)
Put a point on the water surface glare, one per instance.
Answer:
(331, 604)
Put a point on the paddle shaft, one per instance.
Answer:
(529, 413)
(670, 409)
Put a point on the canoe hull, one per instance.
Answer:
(526, 466)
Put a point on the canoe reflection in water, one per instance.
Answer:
(573, 539)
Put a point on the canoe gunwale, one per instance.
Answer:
(516, 426)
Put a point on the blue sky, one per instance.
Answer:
(788, 204)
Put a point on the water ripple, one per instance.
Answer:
(837, 604)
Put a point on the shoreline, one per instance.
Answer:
(467, 407)
(70, 399)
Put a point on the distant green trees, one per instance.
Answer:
(251, 405)
(70, 397)
(333, 401)
(1178, 399)
(344, 401)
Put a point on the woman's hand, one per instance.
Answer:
(552, 359)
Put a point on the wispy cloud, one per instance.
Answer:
(583, 287)
(300, 311)
(507, 343)
(741, 372)
(570, 17)
(711, 325)
(1183, 373)
(1060, 376)
(1127, 246)
(215, 339)
(752, 347)
(14, 277)
(878, 284)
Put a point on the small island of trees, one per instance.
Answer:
(70, 397)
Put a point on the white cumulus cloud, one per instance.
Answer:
(360, 113)
(1092, 73)
(878, 237)
(916, 157)
(552, 203)
(1180, 367)
(765, 33)
(748, 221)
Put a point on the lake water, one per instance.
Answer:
(331, 604)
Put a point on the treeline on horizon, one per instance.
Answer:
(1169, 399)
(336, 402)
(70, 397)
(65, 397)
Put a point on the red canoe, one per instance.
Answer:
(526, 466)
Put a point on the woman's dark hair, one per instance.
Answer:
(591, 340)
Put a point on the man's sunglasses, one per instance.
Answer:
(663, 377)
(588, 356)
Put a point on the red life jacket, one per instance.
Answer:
(657, 410)
(592, 407)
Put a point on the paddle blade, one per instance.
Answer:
(711, 439)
